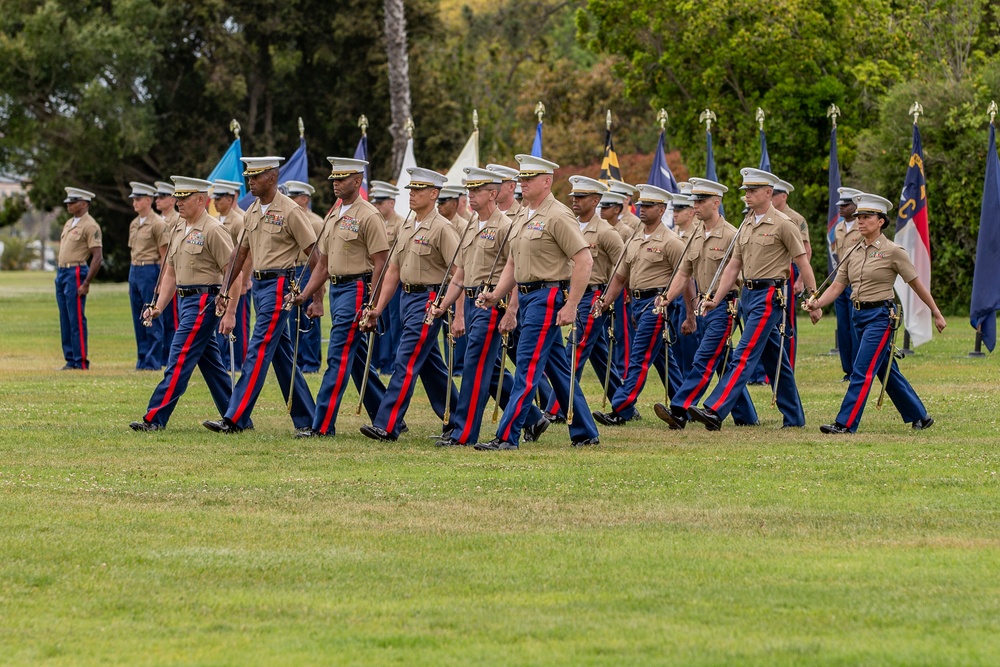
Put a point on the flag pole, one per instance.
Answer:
(977, 352)
(832, 114)
(916, 110)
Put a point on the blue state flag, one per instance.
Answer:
(536, 148)
(765, 159)
(986, 279)
(660, 174)
(230, 168)
(295, 168)
(710, 170)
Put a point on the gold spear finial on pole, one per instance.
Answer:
(302, 129)
(539, 111)
(662, 117)
(760, 118)
(833, 112)
(706, 117)
(608, 120)
(234, 127)
(916, 110)
(409, 127)
(363, 124)
(992, 111)
(475, 120)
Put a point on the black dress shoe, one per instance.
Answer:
(834, 429)
(554, 419)
(376, 433)
(585, 442)
(609, 418)
(448, 442)
(145, 426)
(306, 433)
(534, 432)
(675, 420)
(846, 378)
(921, 424)
(636, 417)
(494, 445)
(403, 428)
(221, 426)
(706, 416)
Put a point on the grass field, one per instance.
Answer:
(756, 546)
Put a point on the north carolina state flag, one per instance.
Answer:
(913, 234)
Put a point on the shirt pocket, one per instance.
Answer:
(193, 248)
(421, 249)
(763, 240)
(652, 256)
(272, 228)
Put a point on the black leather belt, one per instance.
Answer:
(868, 305)
(419, 289)
(72, 265)
(762, 283)
(191, 291)
(528, 288)
(144, 263)
(731, 295)
(273, 274)
(352, 278)
(473, 292)
(638, 294)
(596, 286)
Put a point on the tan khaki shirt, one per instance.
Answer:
(234, 223)
(349, 240)
(200, 253)
(145, 240)
(317, 227)
(799, 221)
(706, 253)
(630, 219)
(277, 238)
(543, 243)
(606, 246)
(75, 242)
(515, 208)
(423, 254)
(392, 227)
(766, 248)
(480, 248)
(172, 218)
(871, 270)
(624, 231)
(651, 262)
(844, 241)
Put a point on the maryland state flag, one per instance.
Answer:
(609, 165)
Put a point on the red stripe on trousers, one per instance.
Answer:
(644, 368)
(587, 328)
(188, 342)
(480, 367)
(754, 339)
(870, 376)
(550, 304)
(408, 377)
(275, 316)
(707, 375)
(345, 358)
(79, 323)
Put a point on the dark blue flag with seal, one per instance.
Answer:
(986, 279)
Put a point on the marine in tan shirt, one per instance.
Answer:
(767, 244)
(147, 234)
(80, 240)
(383, 197)
(871, 270)
(277, 233)
(199, 252)
(351, 235)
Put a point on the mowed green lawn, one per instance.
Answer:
(749, 546)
